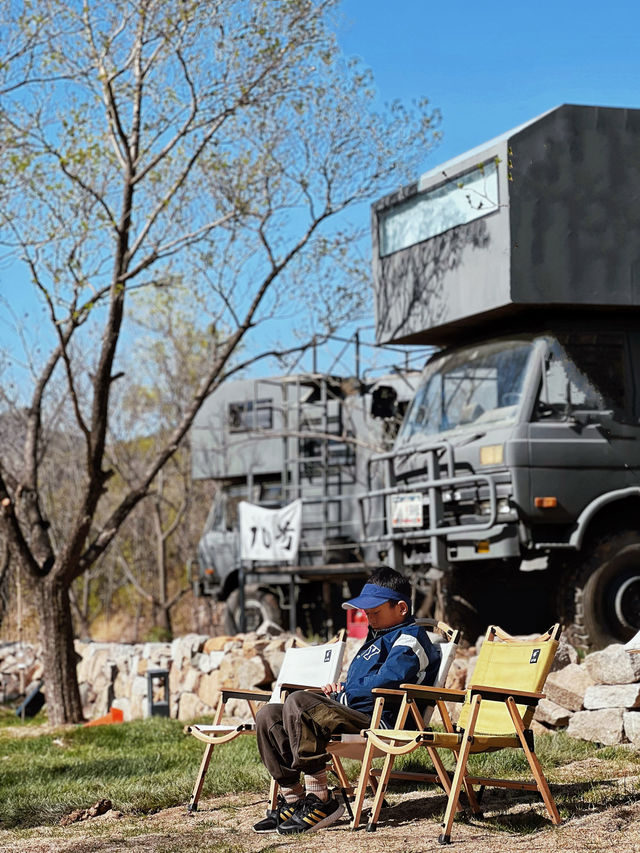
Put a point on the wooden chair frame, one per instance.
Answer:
(361, 748)
(464, 742)
(218, 733)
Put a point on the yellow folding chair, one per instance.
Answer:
(304, 667)
(362, 749)
(497, 709)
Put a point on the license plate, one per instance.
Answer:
(406, 510)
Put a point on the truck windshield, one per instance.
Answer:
(478, 385)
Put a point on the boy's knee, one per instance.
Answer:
(299, 700)
(268, 715)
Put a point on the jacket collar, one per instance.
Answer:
(382, 631)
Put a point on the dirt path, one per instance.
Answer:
(411, 825)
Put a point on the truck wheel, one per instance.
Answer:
(259, 606)
(600, 600)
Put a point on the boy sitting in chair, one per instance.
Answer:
(293, 737)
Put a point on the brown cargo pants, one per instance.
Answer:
(293, 738)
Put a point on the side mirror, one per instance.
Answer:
(383, 402)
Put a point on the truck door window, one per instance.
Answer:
(584, 371)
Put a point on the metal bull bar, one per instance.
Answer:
(432, 487)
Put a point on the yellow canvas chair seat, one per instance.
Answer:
(359, 748)
(497, 709)
(304, 667)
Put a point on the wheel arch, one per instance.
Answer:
(609, 512)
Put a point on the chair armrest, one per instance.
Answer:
(250, 695)
(388, 691)
(500, 694)
(424, 693)
(292, 687)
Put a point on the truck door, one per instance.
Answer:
(583, 433)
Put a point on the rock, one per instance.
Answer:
(238, 710)
(612, 696)
(568, 686)
(539, 728)
(457, 676)
(605, 726)
(237, 671)
(565, 655)
(191, 680)
(631, 720)
(156, 651)
(123, 704)
(273, 653)
(191, 706)
(552, 714)
(183, 648)
(207, 662)
(254, 646)
(209, 689)
(101, 807)
(613, 666)
(215, 644)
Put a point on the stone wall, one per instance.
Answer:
(598, 699)
(115, 674)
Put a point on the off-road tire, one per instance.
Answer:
(259, 606)
(599, 591)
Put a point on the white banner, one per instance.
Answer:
(269, 534)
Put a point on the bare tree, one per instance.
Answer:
(147, 140)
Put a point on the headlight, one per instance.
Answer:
(491, 454)
(502, 507)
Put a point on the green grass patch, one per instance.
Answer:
(149, 765)
(8, 717)
(140, 766)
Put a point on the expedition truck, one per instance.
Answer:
(514, 482)
(270, 441)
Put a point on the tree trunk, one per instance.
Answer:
(59, 655)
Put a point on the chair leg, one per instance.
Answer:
(273, 795)
(197, 788)
(361, 789)
(383, 781)
(534, 764)
(461, 769)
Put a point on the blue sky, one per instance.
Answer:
(486, 68)
(490, 67)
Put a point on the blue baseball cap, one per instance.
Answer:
(372, 596)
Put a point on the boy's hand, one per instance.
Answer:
(336, 688)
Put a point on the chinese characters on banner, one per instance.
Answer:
(269, 534)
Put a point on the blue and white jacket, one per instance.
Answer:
(388, 658)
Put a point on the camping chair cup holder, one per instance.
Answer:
(497, 709)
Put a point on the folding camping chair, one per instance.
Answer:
(497, 709)
(363, 749)
(308, 666)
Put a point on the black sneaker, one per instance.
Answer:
(276, 816)
(312, 813)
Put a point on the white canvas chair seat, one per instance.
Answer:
(302, 667)
(358, 747)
